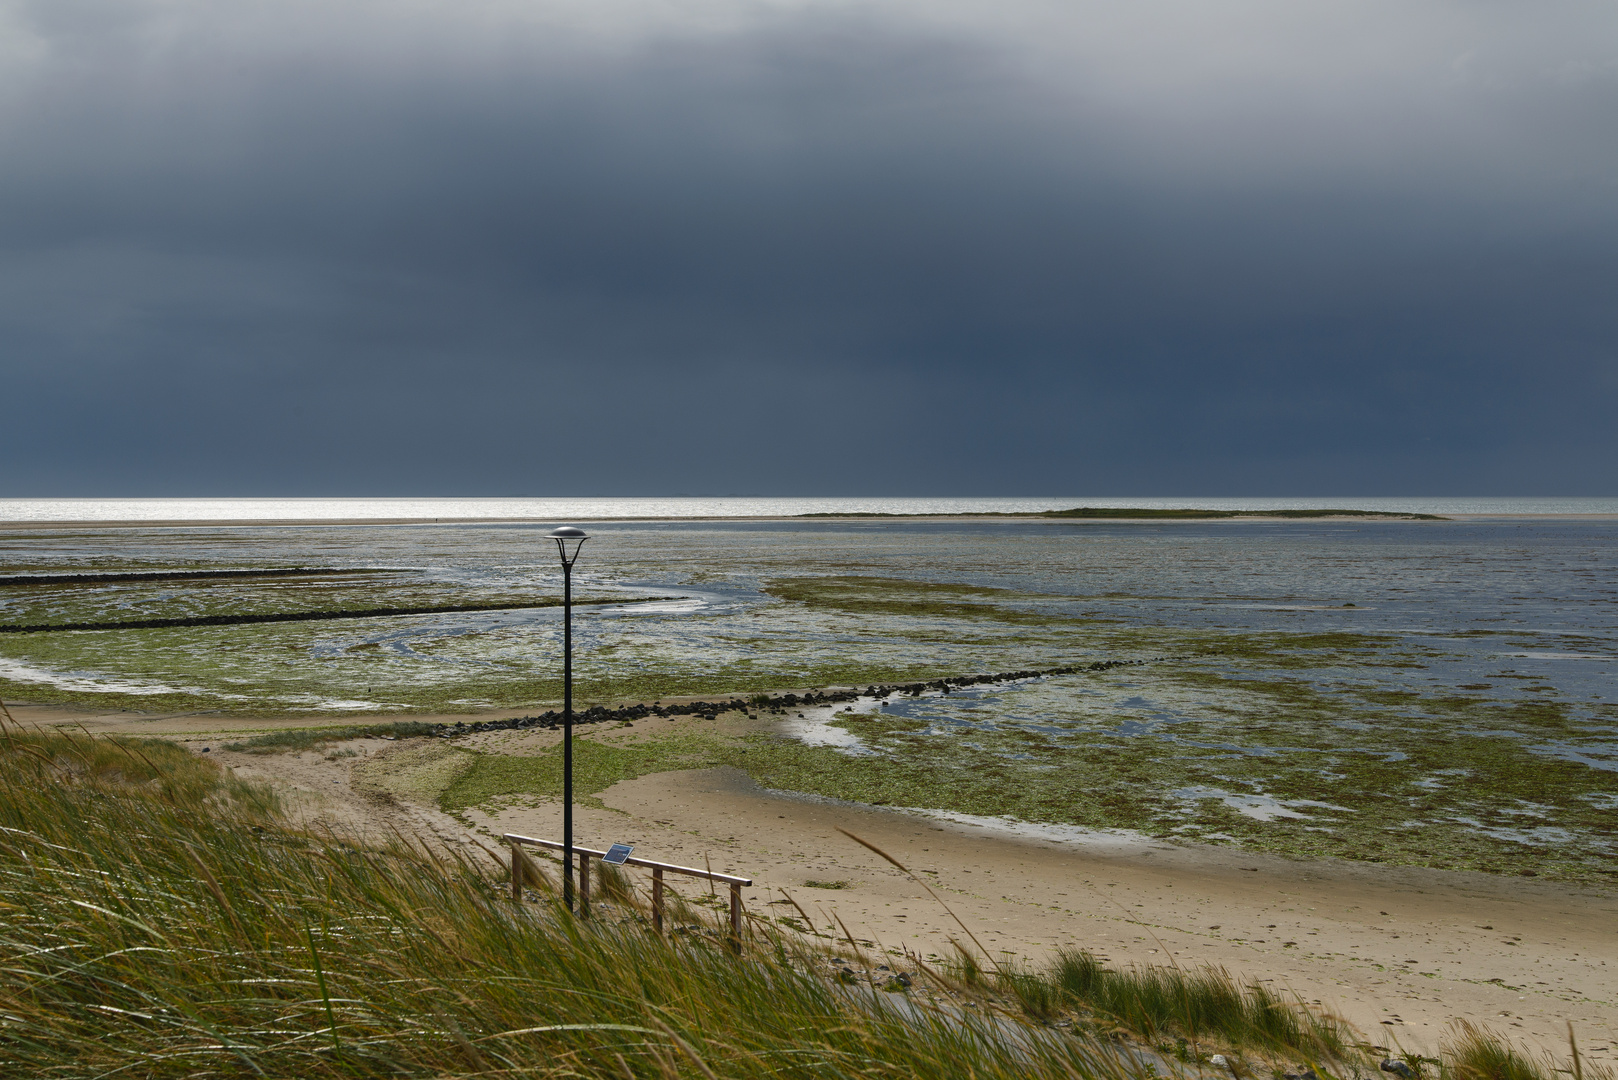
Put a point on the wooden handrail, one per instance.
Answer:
(657, 868)
(728, 879)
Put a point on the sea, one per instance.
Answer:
(1436, 692)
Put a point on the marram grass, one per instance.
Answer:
(1199, 1006)
(157, 919)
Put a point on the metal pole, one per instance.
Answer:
(562, 536)
(567, 732)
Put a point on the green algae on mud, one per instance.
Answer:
(402, 664)
(416, 665)
(1302, 738)
(898, 597)
(269, 670)
(226, 597)
(1461, 803)
(1320, 727)
(325, 602)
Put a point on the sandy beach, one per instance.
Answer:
(1400, 952)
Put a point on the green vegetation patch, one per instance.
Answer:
(863, 595)
(304, 616)
(1277, 766)
(101, 766)
(1226, 749)
(596, 767)
(146, 576)
(1197, 1005)
(277, 742)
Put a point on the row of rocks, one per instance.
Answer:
(176, 575)
(777, 703)
(309, 616)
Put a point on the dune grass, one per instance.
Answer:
(1204, 1004)
(158, 919)
(158, 772)
(1185, 1014)
(1473, 1054)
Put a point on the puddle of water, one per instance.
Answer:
(1556, 656)
(91, 682)
(1542, 836)
(812, 725)
(1259, 807)
(313, 703)
(1108, 840)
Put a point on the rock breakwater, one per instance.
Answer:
(777, 703)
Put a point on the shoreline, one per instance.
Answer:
(261, 523)
(1399, 951)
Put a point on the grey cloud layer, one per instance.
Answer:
(355, 248)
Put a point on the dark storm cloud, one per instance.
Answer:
(357, 248)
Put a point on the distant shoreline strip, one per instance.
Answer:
(310, 616)
(1128, 513)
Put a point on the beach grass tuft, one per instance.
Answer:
(1201, 1005)
(1474, 1054)
(277, 742)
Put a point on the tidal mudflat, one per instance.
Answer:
(1426, 693)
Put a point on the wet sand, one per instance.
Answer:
(1398, 951)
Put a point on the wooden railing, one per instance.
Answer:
(519, 863)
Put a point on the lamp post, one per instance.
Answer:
(564, 536)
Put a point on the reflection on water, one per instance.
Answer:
(1256, 805)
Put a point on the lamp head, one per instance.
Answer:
(565, 536)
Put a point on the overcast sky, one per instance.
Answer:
(533, 247)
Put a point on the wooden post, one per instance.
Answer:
(523, 873)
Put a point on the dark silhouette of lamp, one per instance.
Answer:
(565, 537)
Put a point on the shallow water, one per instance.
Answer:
(1435, 691)
(709, 506)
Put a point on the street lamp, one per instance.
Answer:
(564, 536)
